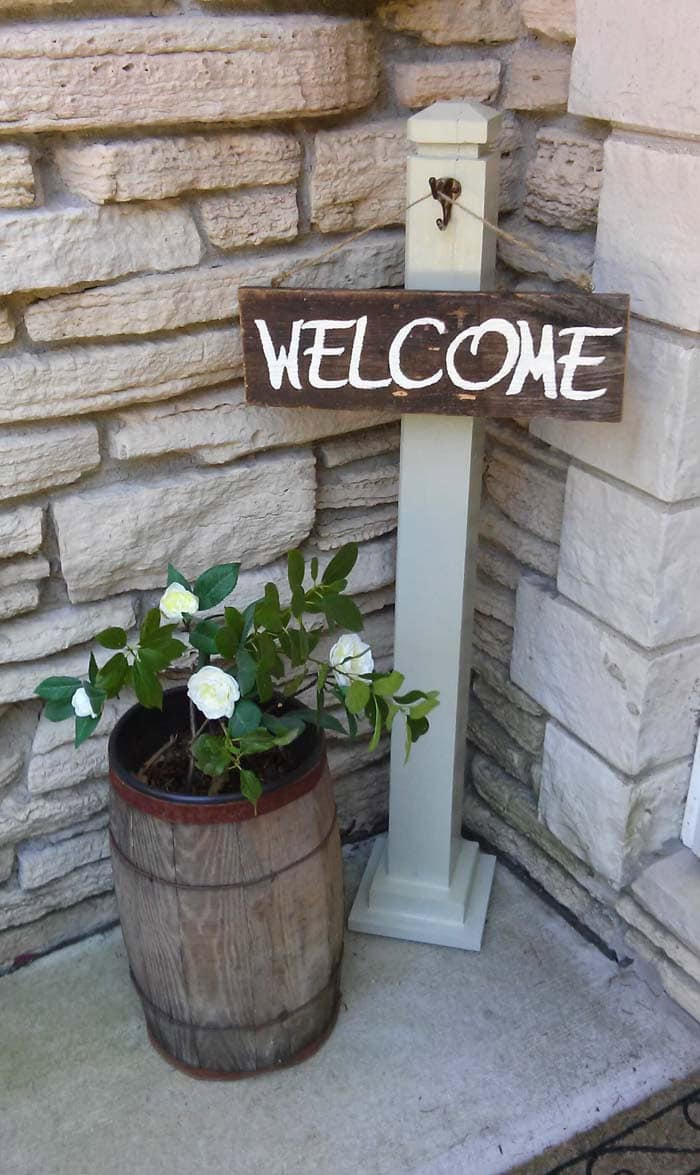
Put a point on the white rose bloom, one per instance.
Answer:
(213, 692)
(82, 704)
(175, 600)
(351, 657)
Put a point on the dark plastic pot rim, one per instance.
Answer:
(127, 777)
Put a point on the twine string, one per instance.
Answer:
(582, 280)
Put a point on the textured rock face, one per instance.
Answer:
(23, 816)
(31, 459)
(359, 176)
(538, 78)
(43, 860)
(16, 176)
(558, 254)
(531, 496)
(669, 890)
(20, 531)
(63, 246)
(155, 168)
(59, 628)
(222, 69)
(251, 513)
(563, 182)
(449, 22)
(444, 81)
(551, 18)
(360, 483)
(252, 217)
(57, 928)
(18, 905)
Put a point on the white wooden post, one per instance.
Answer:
(423, 882)
(690, 834)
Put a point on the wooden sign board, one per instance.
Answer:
(472, 354)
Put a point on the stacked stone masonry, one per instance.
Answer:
(152, 162)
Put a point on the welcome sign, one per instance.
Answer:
(474, 354)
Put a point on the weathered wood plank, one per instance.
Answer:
(475, 354)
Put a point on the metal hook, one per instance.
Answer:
(445, 190)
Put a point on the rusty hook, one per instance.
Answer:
(445, 190)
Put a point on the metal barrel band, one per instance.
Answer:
(281, 1019)
(213, 885)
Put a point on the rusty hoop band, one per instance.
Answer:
(283, 1016)
(228, 812)
(131, 864)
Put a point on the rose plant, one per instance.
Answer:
(247, 669)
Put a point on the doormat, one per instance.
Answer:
(660, 1136)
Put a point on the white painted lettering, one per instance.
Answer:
(476, 333)
(575, 359)
(539, 366)
(356, 380)
(395, 370)
(283, 361)
(318, 349)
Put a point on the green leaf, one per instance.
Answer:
(263, 684)
(175, 576)
(322, 677)
(248, 618)
(341, 564)
(58, 689)
(320, 719)
(413, 695)
(357, 696)
(291, 687)
(245, 718)
(112, 638)
(251, 787)
(211, 754)
(256, 742)
(214, 585)
(268, 616)
(384, 687)
(246, 670)
(150, 627)
(285, 724)
(92, 669)
(418, 727)
(226, 643)
(113, 674)
(158, 655)
(343, 611)
(422, 708)
(203, 637)
(148, 689)
(298, 602)
(84, 728)
(377, 732)
(313, 567)
(295, 569)
(58, 711)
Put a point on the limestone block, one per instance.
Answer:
(153, 302)
(60, 628)
(659, 936)
(359, 176)
(493, 638)
(7, 325)
(417, 84)
(16, 176)
(51, 735)
(41, 861)
(117, 72)
(450, 22)
(23, 943)
(219, 426)
(18, 905)
(649, 230)
(494, 740)
(537, 78)
(335, 527)
(551, 18)
(252, 512)
(669, 890)
(87, 378)
(62, 246)
(23, 816)
(654, 446)
(155, 168)
(359, 483)
(635, 708)
(492, 599)
(679, 986)
(559, 255)
(357, 445)
(564, 179)
(346, 756)
(630, 560)
(7, 862)
(19, 680)
(495, 675)
(362, 800)
(15, 733)
(509, 144)
(604, 817)
(521, 725)
(531, 495)
(638, 70)
(527, 548)
(18, 599)
(514, 436)
(253, 216)
(20, 570)
(65, 766)
(34, 458)
(498, 565)
(20, 531)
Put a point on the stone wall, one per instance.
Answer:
(150, 163)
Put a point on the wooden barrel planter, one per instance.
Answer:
(233, 922)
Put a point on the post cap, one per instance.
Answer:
(455, 122)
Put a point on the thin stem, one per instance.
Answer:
(193, 735)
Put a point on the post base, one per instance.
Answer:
(419, 912)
